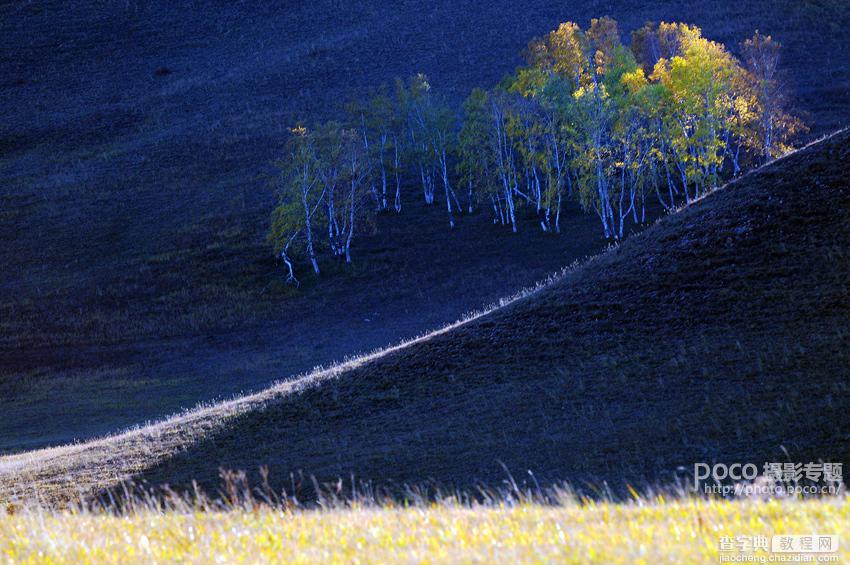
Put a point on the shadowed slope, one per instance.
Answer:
(719, 334)
(135, 148)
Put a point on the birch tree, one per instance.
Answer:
(774, 125)
(300, 197)
(701, 95)
(331, 152)
(552, 92)
(474, 165)
(415, 101)
(440, 124)
(503, 146)
(561, 136)
(397, 133)
(356, 172)
(378, 119)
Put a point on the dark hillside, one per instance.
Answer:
(719, 334)
(135, 142)
(410, 277)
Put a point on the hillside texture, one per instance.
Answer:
(135, 187)
(719, 334)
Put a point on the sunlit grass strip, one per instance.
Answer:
(683, 531)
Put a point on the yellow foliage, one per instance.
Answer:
(634, 80)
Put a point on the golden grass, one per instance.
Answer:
(673, 531)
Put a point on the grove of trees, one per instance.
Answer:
(670, 116)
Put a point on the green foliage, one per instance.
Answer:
(297, 172)
(474, 164)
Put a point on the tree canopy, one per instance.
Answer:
(587, 117)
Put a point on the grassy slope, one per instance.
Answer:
(138, 281)
(719, 334)
(687, 531)
(165, 173)
(136, 206)
(54, 394)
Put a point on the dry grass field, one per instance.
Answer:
(648, 531)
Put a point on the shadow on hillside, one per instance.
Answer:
(719, 335)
